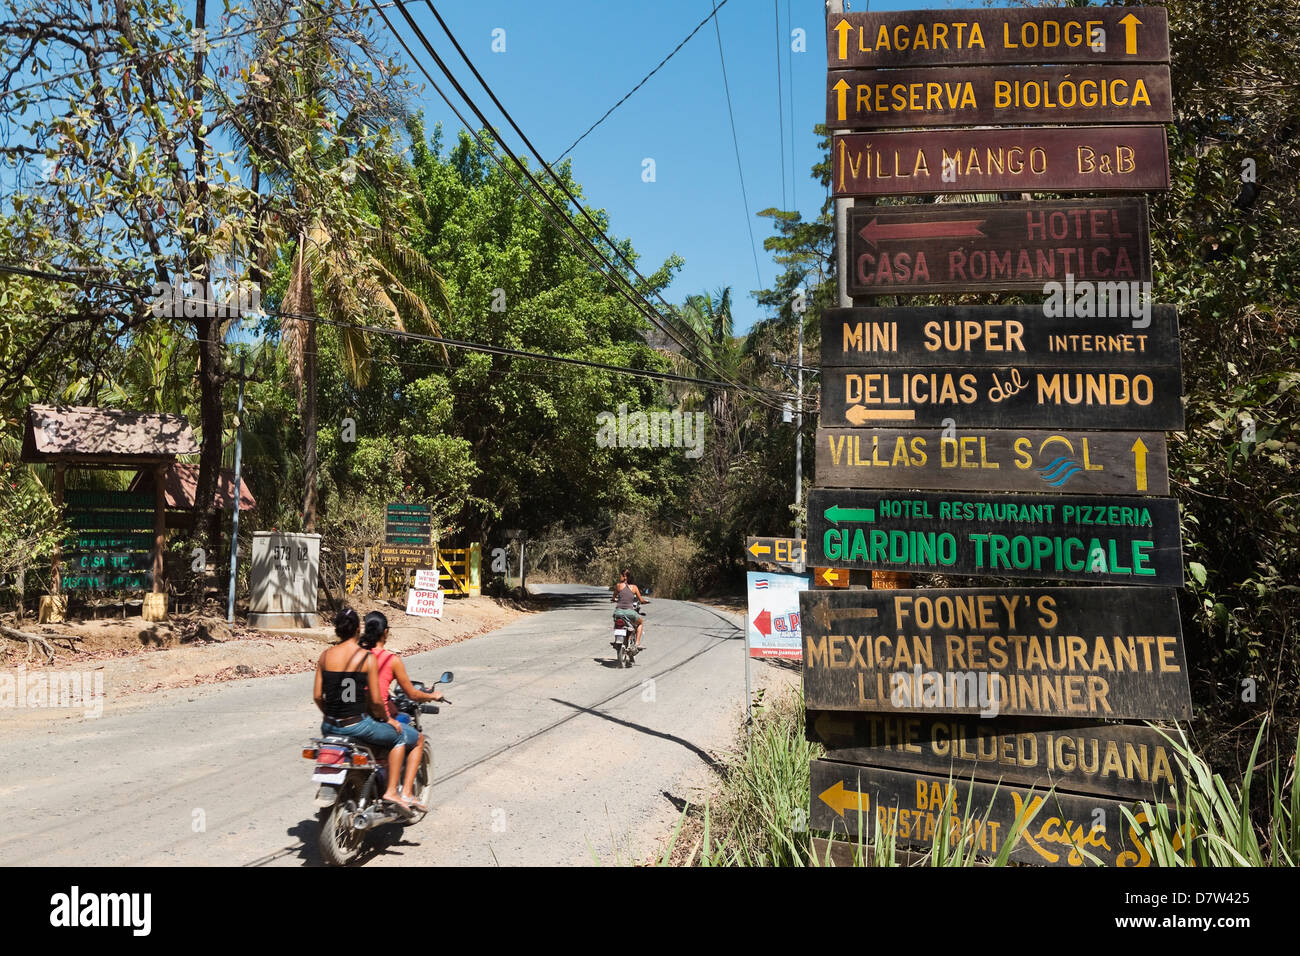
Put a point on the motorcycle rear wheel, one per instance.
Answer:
(339, 844)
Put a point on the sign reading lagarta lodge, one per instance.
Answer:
(901, 38)
(1065, 652)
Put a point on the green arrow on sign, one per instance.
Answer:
(835, 514)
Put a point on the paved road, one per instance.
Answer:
(550, 755)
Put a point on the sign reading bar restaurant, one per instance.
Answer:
(408, 523)
(1123, 760)
(111, 547)
(1013, 246)
(1063, 829)
(978, 96)
(973, 459)
(1038, 35)
(1062, 652)
(1024, 159)
(996, 335)
(1020, 396)
(1062, 537)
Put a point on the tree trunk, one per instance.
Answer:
(309, 429)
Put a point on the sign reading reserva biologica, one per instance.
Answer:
(1102, 540)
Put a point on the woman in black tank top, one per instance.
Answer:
(352, 704)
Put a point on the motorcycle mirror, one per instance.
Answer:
(446, 677)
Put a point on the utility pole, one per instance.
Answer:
(234, 523)
(798, 436)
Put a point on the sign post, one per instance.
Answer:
(1013, 442)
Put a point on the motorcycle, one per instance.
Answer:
(353, 777)
(624, 642)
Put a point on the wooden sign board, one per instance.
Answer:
(1061, 537)
(783, 552)
(129, 581)
(403, 508)
(109, 541)
(1080, 756)
(830, 578)
(1112, 653)
(978, 96)
(111, 520)
(1011, 246)
(403, 556)
(973, 459)
(1038, 35)
(1057, 829)
(1026, 159)
(88, 500)
(997, 335)
(1024, 395)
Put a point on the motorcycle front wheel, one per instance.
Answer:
(339, 843)
(422, 789)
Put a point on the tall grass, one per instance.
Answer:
(760, 816)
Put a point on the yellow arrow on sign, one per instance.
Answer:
(860, 414)
(1131, 23)
(757, 549)
(842, 88)
(839, 799)
(1139, 451)
(843, 29)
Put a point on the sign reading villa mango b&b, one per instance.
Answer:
(1101, 540)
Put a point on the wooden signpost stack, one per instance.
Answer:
(1013, 442)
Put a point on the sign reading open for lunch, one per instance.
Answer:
(1065, 652)
(1063, 537)
(1038, 35)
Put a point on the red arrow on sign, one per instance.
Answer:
(764, 622)
(945, 229)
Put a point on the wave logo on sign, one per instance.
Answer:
(760, 585)
(1061, 468)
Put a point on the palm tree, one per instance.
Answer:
(347, 267)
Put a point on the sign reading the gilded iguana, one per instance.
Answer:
(1101, 540)
(1066, 652)
(1085, 756)
(981, 459)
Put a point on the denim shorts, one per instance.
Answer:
(367, 730)
(410, 737)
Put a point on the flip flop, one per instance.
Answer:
(402, 808)
(418, 807)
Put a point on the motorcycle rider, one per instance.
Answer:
(627, 596)
(391, 668)
(347, 686)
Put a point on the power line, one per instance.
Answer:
(629, 93)
(461, 344)
(780, 105)
(753, 248)
(631, 267)
(577, 236)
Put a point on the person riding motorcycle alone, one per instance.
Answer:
(626, 598)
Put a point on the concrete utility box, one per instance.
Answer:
(284, 578)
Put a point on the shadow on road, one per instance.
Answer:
(702, 754)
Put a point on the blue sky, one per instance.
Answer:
(567, 62)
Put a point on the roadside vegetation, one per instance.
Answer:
(757, 812)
